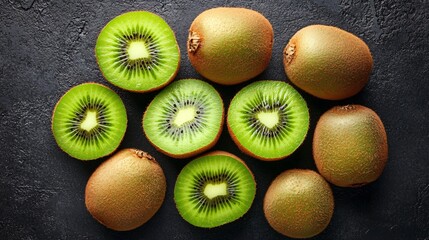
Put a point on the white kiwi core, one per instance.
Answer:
(90, 121)
(184, 115)
(269, 119)
(215, 190)
(137, 50)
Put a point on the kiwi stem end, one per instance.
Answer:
(289, 52)
(142, 154)
(193, 41)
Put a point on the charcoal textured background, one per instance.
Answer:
(46, 47)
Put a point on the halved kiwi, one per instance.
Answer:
(185, 118)
(268, 119)
(89, 121)
(214, 189)
(137, 51)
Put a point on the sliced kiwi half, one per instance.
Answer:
(137, 51)
(268, 119)
(185, 118)
(214, 189)
(89, 121)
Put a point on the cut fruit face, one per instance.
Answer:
(185, 118)
(137, 51)
(214, 189)
(89, 121)
(268, 119)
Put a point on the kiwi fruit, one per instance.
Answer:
(137, 51)
(327, 62)
(268, 119)
(89, 121)
(184, 119)
(299, 203)
(126, 190)
(229, 45)
(350, 146)
(214, 189)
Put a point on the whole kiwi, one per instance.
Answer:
(230, 45)
(299, 203)
(327, 62)
(350, 146)
(126, 190)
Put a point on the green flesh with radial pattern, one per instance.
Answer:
(214, 190)
(269, 119)
(184, 117)
(138, 51)
(89, 121)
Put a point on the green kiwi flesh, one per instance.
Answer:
(126, 190)
(185, 118)
(350, 146)
(137, 51)
(299, 203)
(268, 119)
(214, 189)
(89, 121)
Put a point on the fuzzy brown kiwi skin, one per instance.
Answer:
(359, 155)
(246, 151)
(281, 215)
(340, 72)
(209, 67)
(196, 152)
(55, 108)
(149, 90)
(119, 222)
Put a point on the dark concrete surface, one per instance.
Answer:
(46, 47)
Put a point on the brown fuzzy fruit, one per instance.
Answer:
(299, 203)
(350, 146)
(230, 45)
(126, 190)
(327, 62)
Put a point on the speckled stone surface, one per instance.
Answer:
(46, 47)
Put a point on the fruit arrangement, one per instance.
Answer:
(267, 120)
